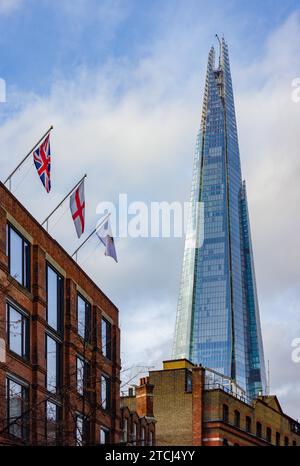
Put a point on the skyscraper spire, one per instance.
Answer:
(218, 321)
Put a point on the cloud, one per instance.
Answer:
(132, 128)
(9, 6)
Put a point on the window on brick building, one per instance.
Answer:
(188, 382)
(269, 434)
(18, 251)
(53, 419)
(83, 318)
(294, 443)
(82, 376)
(225, 413)
(125, 431)
(134, 433)
(277, 439)
(258, 429)
(18, 331)
(151, 438)
(225, 442)
(248, 424)
(53, 364)
(143, 436)
(55, 299)
(82, 430)
(286, 441)
(104, 436)
(105, 392)
(17, 406)
(237, 418)
(106, 338)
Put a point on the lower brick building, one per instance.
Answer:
(197, 406)
(137, 418)
(59, 341)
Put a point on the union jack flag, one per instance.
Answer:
(42, 162)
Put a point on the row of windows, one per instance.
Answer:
(133, 435)
(18, 251)
(17, 396)
(258, 430)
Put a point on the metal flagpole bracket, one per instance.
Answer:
(26, 157)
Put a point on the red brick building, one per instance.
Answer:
(59, 341)
(137, 418)
(199, 407)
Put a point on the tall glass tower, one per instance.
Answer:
(218, 322)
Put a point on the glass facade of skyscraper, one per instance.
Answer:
(218, 322)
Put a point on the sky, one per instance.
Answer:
(122, 82)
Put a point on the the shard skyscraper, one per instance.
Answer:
(218, 323)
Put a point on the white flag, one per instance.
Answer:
(104, 233)
(77, 206)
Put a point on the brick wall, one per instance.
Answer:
(33, 372)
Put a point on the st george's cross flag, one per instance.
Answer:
(42, 162)
(77, 206)
(104, 233)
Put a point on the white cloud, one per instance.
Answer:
(8, 6)
(133, 130)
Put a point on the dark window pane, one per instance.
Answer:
(16, 407)
(83, 318)
(105, 392)
(19, 257)
(16, 256)
(52, 423)
(53, 364)
(106, 336)
(54, 299)
(18, 331)
(104, 436)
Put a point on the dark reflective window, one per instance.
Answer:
(83, 376)
(53, 364)
(18, 257)
(104, 436)
(258, 429)
(54, 299)
(18, 331)
(53, 418)
(83, 318)
(248, 424)
(225, 413)
(106, 336)
(269, 434)
(105, 392)
(237, 418)
(17, 405)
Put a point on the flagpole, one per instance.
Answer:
(90, 235)
(61, 203)
(26, 157)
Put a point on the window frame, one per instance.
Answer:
(106, 404)
(24, 407)
(88, 318)
(107, 348)
(86, 376)
(25, 281)
(25, 335)
(59, 368)
(106, 432)
(59, 298)
(58, 418)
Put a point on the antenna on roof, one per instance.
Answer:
(220, 49)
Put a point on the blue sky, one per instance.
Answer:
(122, 83)
(43, 39)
